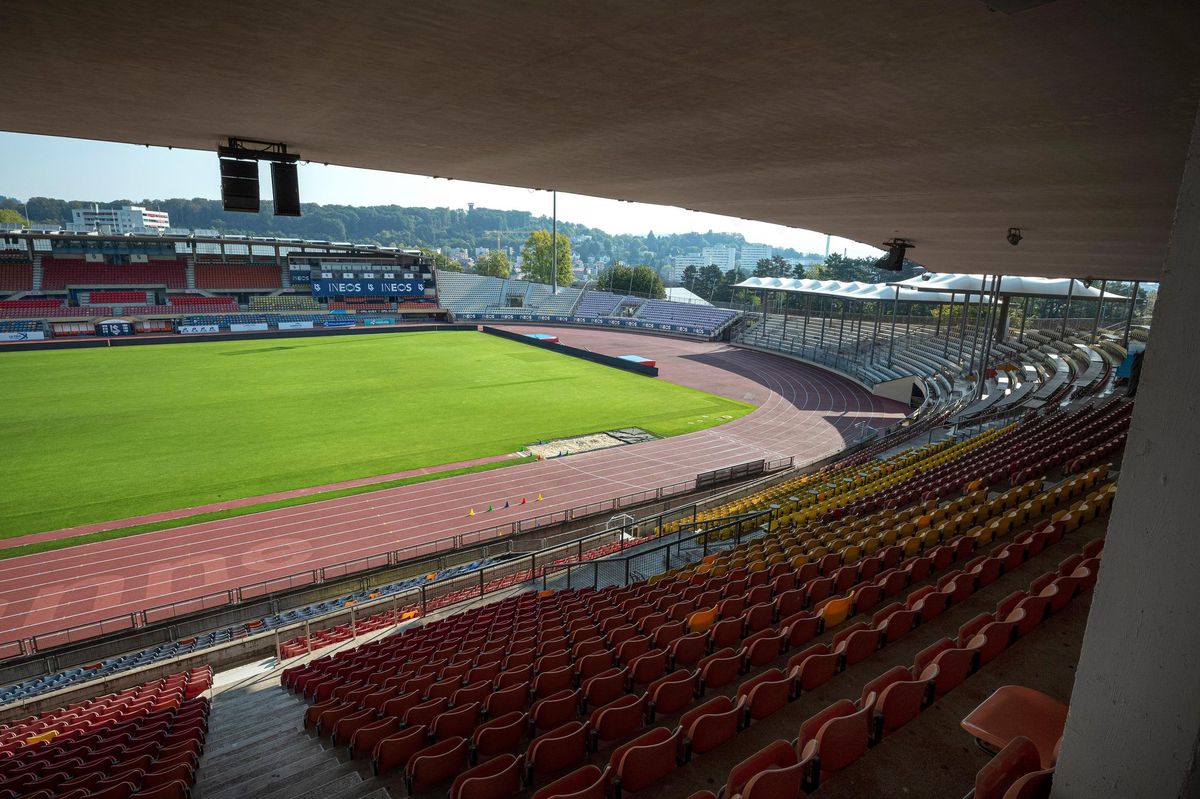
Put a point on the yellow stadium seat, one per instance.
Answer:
(702, 620)
(837, 611)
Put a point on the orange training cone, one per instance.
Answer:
(522, 500)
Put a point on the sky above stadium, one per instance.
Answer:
(78, 169)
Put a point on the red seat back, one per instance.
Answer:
(557, 749)
(672, 692)
(498, 778)
(646, 759)
(436, 763)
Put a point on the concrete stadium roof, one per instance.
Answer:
(941, 121)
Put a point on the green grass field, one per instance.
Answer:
(99, 434)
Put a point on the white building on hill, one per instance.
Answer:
(129, 219)
(753, 253)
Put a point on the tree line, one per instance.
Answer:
(403, 226)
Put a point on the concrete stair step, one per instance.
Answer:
(258, 776)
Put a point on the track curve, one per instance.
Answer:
(802, 411)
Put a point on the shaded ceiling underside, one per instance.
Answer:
(936, 120)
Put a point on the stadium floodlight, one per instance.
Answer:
(893, 261)
(239, 176)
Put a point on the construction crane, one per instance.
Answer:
(499, 233)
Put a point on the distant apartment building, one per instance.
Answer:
(753, 253)
(723, 255)
(129, 219)
(680, 263)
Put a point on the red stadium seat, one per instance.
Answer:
(618, 719)
(507, 700)
(604, 687)
(498, 778)
(555, 710)
(366, 737)
(645, 760)
(435, 764)
(500, 734)
(719, 668)
(672, 692)
(395, 750)
(766, 693)
(708, 725)
(555, 750)
(585, 783)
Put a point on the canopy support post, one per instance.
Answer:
(841, 328)
(1067, 310)
(962, 325)
(1099, 309)
(862, 306)
(804, 328)
(1024, 319)
(989, 333)
(875, 328)
(892, 338)
(949, 325)
(1129, 316)
(823, 318)
(975, 338)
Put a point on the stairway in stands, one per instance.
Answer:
(258, 747)
(37, 273)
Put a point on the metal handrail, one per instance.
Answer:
(310, 577)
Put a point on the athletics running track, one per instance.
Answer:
(802, 411)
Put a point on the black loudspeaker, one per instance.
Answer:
(285, 187)
(239, 185)
(894, 260)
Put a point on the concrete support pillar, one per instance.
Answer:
(1002, 321)
(1024, 318)
(1134, 724)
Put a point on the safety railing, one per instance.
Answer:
(312, 577)
(690, 543)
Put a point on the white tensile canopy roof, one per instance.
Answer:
(844, 289)
(1011, 285)
(932, 288)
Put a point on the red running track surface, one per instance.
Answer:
(802, 411)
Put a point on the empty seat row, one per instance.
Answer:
(591, 680)
(843, 732)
